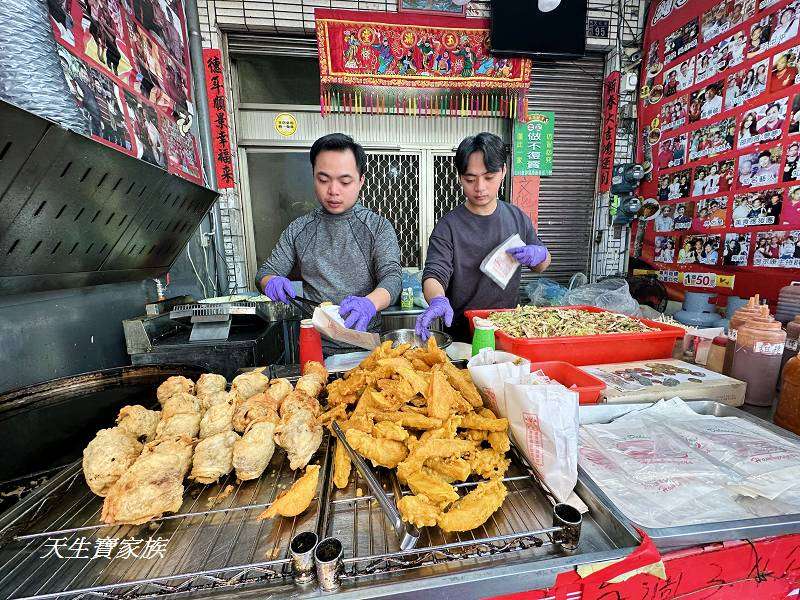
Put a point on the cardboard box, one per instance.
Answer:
(658, 379)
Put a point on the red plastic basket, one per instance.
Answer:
(588, 350)
(588, 386)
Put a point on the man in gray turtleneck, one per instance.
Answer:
(343, 252)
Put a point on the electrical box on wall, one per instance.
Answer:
(629, 82)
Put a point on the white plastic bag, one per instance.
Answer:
(499, 265)
(489, 370)
(543, 420)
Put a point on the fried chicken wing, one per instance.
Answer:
(180, 403)
(475, 421)
(213, 457)
(297, 498)
(217, 419)
(341, 466)
(249, 384)
(474, 509)
(389, 431)
(253, 451)
(107, 457)
(384, 453)
(300, 435)
(184, 424)
(418, 510)
(181, 448)
(172, 386)
(433, 487)
(208, 383)
(152, 486)
(139, 421)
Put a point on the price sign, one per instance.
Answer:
(706, 280)
(668, 276)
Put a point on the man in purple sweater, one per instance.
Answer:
(452, 280)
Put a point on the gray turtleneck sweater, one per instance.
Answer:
(337, 256)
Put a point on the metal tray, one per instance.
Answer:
(688, 535)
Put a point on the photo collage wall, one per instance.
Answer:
(127, 66)
(720, 138)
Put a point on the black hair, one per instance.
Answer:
(492, 147)
(339, 142)
(764, 153)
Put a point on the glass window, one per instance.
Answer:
(278, 79)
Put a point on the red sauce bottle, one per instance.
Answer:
(310, 343)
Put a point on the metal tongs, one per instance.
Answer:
(407, 533)
(304, 305)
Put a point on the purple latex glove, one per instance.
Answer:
(280, 289)
(357, 312)
(530, 256)
(438, 307)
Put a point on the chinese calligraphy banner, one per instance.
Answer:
(127, 66)
(720, 134)
(370, 62)
(533, 145)
(608, 135)
(218, 113)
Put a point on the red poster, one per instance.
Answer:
(127, 66)
(720, 116)
(608, 136)
(217, 109)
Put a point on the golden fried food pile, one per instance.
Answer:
(412, 410)
(205, 432)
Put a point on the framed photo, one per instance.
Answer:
(453, 8)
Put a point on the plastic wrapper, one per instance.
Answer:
(499, 265)
(667, 466)
(546, 292)
(611, 294)
(329, 323)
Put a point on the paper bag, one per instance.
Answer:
(499, 265)
(543, 421)
(489, 369)
(329, 323)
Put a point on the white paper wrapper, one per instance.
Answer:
(489, 370)
(499, 265)
(327, 321)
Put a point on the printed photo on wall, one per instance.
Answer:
(147, 135)
(684, 215)
(706, 102)
(724, 16)
(160, 18)
(679, 78)
(784, 70)
(774, 29)
(791, 169)
(712, 139)
(183, 153)
(777, 249)
(759, 168)
(713, 178)
(710, 213)
(790, 215)
(794, 116)
(721, 57)
(737, 248)
(681, 41)
(699, 249)
(672, 152)
(98, 99)
(673, 114)
(746, 84)
(664, 220)
(757, 208)
(62, 21)
(664, 249)
(762, 124)
(446, 7)
(674, 186)
(103, 35)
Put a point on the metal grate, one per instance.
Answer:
(391, 188)
(207, 546)
(447, 192)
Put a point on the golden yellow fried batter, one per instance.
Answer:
(418, 383)
(341, 466)
(475, 421)
(384, 453)
(297, 498)
(172, 386)
(311, 385)
(217, 419)
(439, 395)
(488, 463)
(475, 508)
(180, 403)
(213, 457)
(107, 457)
(252, 453)
(151, 487)
(313, 367)
(463, 383)
(418, 510)
(389, 431)
(208, 383)
(498, 440)
(433, 487)
(410, 420)
(337, 413)
(451, 469)
(139, 421)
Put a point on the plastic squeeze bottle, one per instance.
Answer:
(751, 309)
(757, 357)
(310, 343)
(787, 413)
(483, 337)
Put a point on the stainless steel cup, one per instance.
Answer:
(569, 519)
(301, 550)
(328, 556)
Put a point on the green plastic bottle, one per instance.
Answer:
(483, 337)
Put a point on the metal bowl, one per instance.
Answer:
(409, 336)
